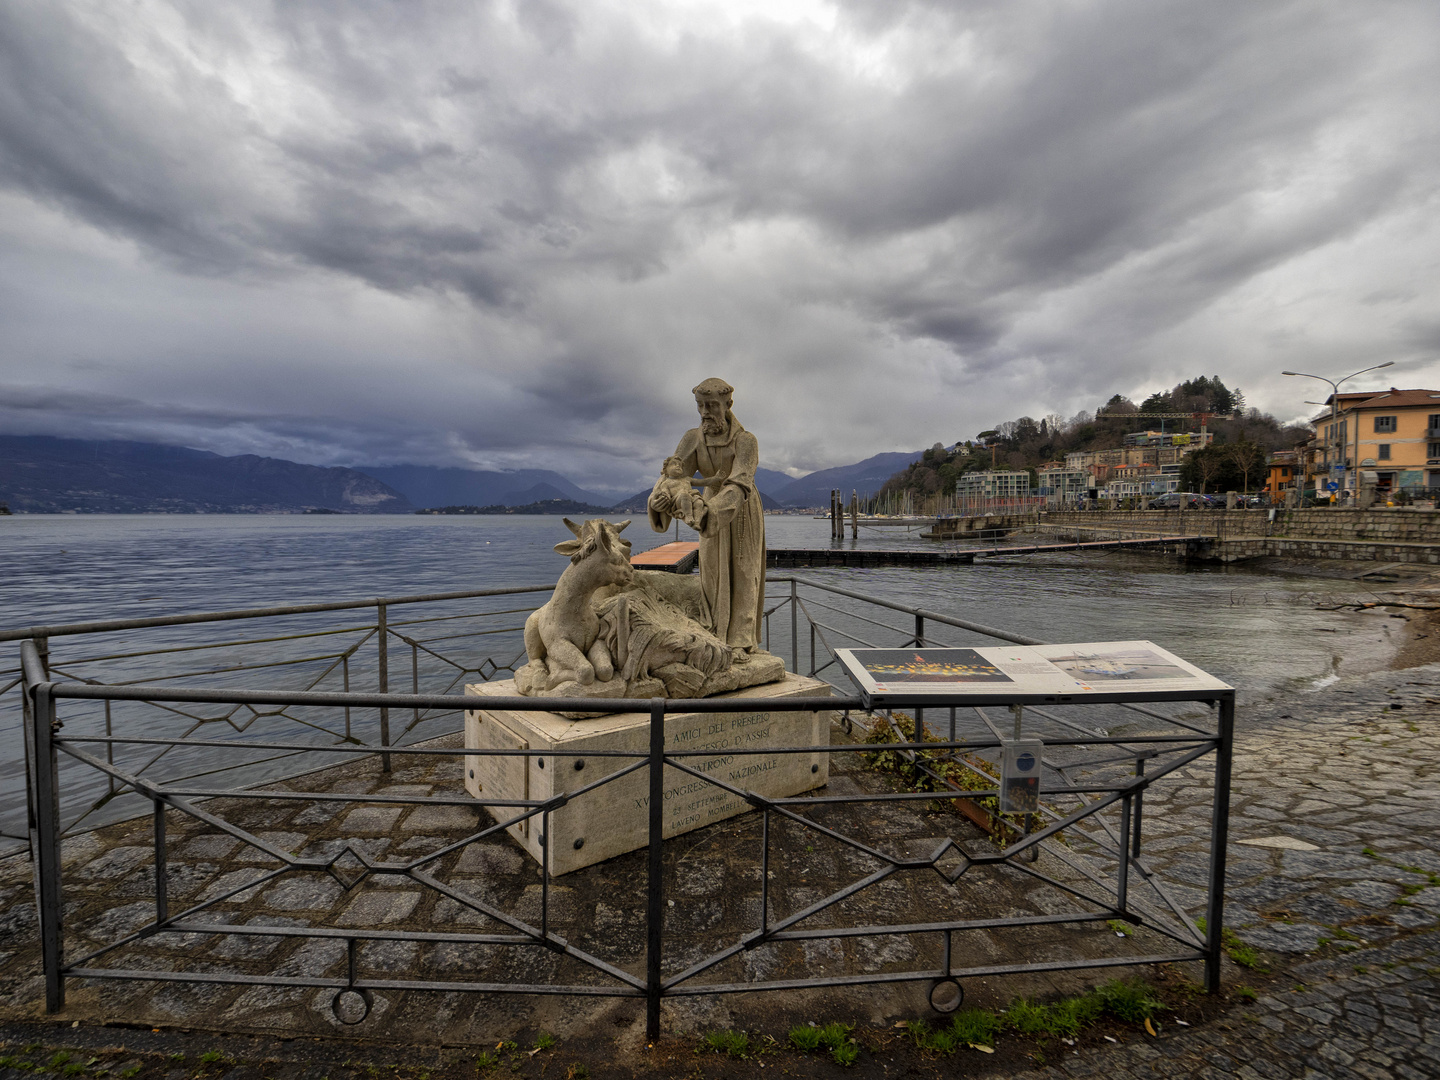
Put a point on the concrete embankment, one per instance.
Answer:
(1384, 535)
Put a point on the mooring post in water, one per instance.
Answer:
(383, 633)
(854, 515)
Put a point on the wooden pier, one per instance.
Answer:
(679, 557)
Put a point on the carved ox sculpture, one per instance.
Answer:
(562, 639)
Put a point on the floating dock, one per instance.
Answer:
(862, 557)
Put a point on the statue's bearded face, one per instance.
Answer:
(712, 413)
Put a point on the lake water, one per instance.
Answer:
(1257, 629)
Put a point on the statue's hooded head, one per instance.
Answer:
(713, 399)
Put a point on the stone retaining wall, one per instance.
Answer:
(1397, 536)
(1381, 525)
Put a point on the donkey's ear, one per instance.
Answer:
(568, 547)
(571, 526)
(622, 526)
(602, 537)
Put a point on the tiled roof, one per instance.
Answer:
(1394, 397)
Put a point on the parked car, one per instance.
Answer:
(1190, 500)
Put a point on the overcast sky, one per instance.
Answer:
(516, 233)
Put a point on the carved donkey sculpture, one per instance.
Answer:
(563, 637)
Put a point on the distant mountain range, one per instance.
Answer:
(865, 477)
(428, 485)
(44, 475)
(40, 474)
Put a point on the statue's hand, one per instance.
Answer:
(662, 502)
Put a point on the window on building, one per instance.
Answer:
(1433, 450)
(1385, 423)
(1434, 421)
(1384, 451)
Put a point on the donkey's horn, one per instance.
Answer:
(621, 527)
(571, 526)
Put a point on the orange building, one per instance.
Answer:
(1394, 434)
(1284, 464)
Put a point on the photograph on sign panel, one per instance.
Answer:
(908, 667)
(1119, 664)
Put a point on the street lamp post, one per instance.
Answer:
(1335, 402)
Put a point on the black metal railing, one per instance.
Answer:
(1099, 763)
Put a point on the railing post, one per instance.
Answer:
(1122, 885)
(1139, 808)
(162, 873)
(655, 907)
(42, 651)
(794, 630)
(383, 634)
(46, 793)
(1219, 836)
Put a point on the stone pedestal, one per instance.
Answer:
(614, 818)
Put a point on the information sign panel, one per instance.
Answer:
(1098, 671)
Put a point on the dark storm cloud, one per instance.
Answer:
(568, 214)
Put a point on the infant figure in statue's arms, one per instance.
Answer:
(689, 505)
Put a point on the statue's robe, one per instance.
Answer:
(732, 542)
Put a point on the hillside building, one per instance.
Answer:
(1060, 483)
(994, 484)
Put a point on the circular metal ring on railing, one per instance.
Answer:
(946, 995)
(351, 1006)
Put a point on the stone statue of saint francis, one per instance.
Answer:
(729, 516)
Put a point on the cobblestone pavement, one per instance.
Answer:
(1334, 871)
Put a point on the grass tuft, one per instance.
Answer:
(1129, 1000)
(846, 1054)
(805, 1038)
(975, 1026)
(732, 1043)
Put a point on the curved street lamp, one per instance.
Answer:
(1335, 394)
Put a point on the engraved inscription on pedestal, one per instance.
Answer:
(614, 818)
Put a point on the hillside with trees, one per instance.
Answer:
(1244, 439)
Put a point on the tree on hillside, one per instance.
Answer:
(1247, 457)
(1119, 403)
(1203, 468)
